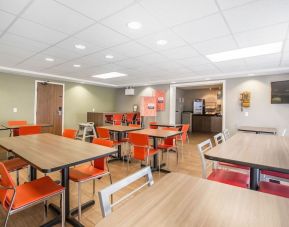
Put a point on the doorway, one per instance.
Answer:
(49, 104)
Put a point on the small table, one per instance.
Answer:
(182, 200)
(49, 153)
(266, 152)
(120, 129)
(11, 127)
(158, 134)
(168, 125)
(258, 130)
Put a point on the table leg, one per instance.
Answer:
(155, 158)
(254, 178)
(33, 173)
(119, 145)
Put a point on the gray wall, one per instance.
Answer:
(261, 112)
(180, 94)
(125, 103)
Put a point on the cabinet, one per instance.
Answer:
(205, 123)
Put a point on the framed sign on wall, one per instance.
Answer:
(148, 106)
(161, 99)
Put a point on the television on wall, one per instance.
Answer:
(280, 92)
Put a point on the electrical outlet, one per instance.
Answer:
(15, 110)
(246, 113)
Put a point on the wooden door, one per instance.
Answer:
(49, 106)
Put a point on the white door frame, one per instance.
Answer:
(35, 100)
(173, 88)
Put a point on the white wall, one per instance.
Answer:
(261, 112)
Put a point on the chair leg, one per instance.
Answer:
(79, 201)
(63, 209)
(6, 220)
(17, 177)
(45, 209)
(93, 185)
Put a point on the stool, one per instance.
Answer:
(86, 130)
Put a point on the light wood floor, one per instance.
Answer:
(189, 164)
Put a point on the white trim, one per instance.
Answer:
(173, 88)
(35, 100)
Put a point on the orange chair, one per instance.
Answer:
(151, 125)
(134, 125)
(117, 119)
(69, 133)
(29, 130)
(274, 189)
(15, 198)
(184, 136)
(103, 133)
(141, 147)
(169, 144)
(129, 118)
(15, 131)
(96, 170)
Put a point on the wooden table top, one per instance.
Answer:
(260, 151)
(182, 200)
(158, 133)
(48, 152)
(168, 125)
(120, 128)
(18, 126)
(257, 129)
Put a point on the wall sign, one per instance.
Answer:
(148, 106)
(160, 97)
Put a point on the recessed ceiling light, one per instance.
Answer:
(109, 56)
(109, 75)
(80, 46)
(134, 25)
(76, 66)
(270, 48)
(162, 42)
(49, 59)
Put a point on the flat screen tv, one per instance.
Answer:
(280, 92)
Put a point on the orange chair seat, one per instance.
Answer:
(84, 172)
(234, 165)
(142, 156)
(14, 164)
(165, 146)
(230, 177)
(35, 190)
(275, 174)
(274, 189)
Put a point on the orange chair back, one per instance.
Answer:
(117, 119)
(129, 117)
(14, 123)
(151, 125)
(29, 130)
(100, 162)
(69, 133)
(170, 140)
(7, 182)
(134, 125)
(103, 133)
(140, 144)
(185, 129)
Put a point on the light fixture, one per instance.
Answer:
(76, 66)
(109, 75)
(173, 82)
(109, 56)
(135, 25)
(80, 46)
(162, 42)
(270, 48)
(49, 59)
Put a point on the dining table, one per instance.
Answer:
(163, 125)
(257, 151)
(49, 153)
(120, 130)
(182, 200)
(11, 127)
(258, 130)
(156, 134)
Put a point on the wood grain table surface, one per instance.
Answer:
(259, 151)
(257, 129)
(158, 133)
(120, 128)
(167, 125)
(48, 152)
(18, 126)
(182, 200)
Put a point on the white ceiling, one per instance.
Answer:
(32, 30)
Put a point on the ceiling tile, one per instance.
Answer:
(205, 69)
(265, 35)
(271, 60)
(173, 40)
(63, 19)
(13, 6)
(172, 12)
(227, 4)
(221, 44)
(119, 22)
(203, 29)
(96, 9)
(286, 45)
(56, 52)
(130, 63)
(131, 49)
(257, 14)
(231, 66)
(21, 42)
(190, 62)
(14, 51)
(5, 19)
(8, 60)
(101, 36)
(36, 32)
(285, 59)
(151, 58)
(180, 52)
